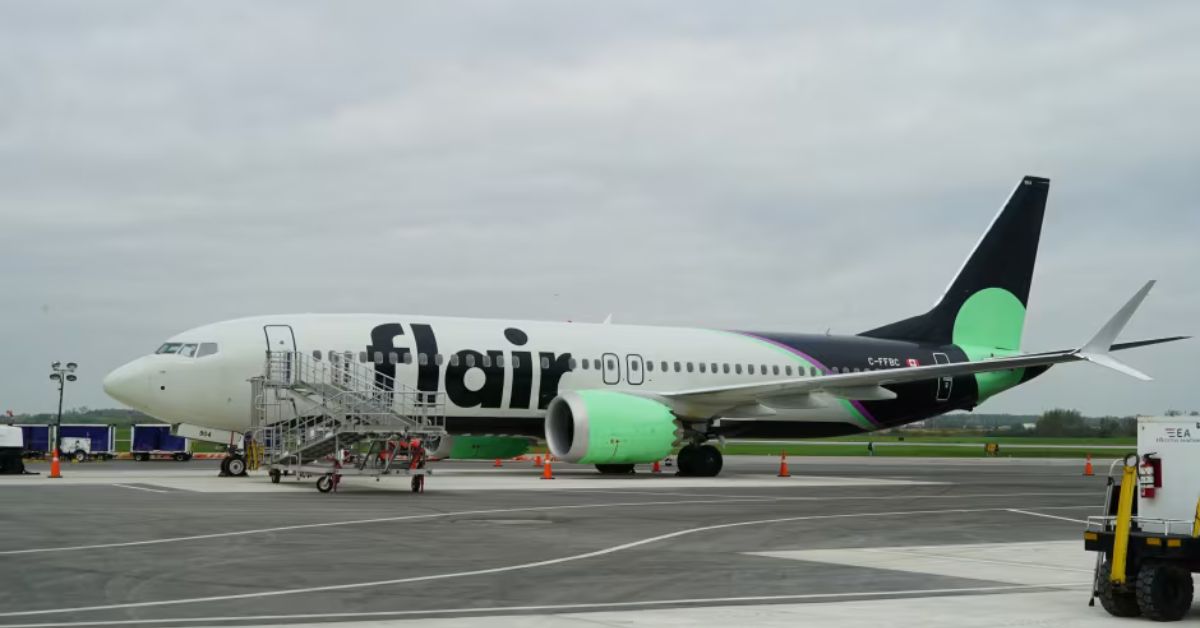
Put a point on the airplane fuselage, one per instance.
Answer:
(500, 376)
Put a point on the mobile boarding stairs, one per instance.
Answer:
(338, 417)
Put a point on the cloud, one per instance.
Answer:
(794, 168)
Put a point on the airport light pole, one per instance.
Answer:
(62, 375)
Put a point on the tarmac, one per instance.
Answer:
(844, 542)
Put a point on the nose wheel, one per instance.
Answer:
(704, 461)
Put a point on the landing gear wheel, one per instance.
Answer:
(234, 465)
(1118, 601)
(418, 484)
(686, 459)
(80, 456)
(702, 461)
(275, 474)
(615, 469)
(709, 462)
(325, 483)
(1163, 591)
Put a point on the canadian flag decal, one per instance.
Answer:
(912, 362)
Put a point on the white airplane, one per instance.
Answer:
(617, 395)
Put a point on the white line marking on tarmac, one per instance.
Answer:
(568, 607)
(1042, 514)
(141, 488)
(328, 524)
(494, 570)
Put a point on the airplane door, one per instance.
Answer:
(945, 384)
(281, 347)
(611, 368)
(633, 369)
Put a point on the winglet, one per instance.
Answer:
(1097, 349)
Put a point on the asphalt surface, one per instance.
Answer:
(115, 549)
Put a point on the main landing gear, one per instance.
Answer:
(233, 465)
(703, 461)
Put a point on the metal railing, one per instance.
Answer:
(306, 408)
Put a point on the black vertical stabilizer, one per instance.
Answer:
(1003, 258)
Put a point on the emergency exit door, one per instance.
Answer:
(945, 384)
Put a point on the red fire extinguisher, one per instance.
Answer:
(1150, 475)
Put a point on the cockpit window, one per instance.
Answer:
(206, 348)
(188, 350)
(170, 347)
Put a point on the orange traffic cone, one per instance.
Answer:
(1087, 466)
(783, 468)
(497, 464)
(656, 468)
(55, 472)
(547, 472)
(537, 461)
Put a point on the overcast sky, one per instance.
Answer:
(779, 166)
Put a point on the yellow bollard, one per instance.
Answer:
(1124, 520)
(1196, 525)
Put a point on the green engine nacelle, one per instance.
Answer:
(606, 427)
(466, 447)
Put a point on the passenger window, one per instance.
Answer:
(437, 359)
(393, 358)
(378, 357)
(775, 370)
(516, 361)
(749, 369)
(713, 366)
(317, 355)
(570, 363)
(737, 368)
(649, 366)
(703, 367)
(454, 360)
(362, 357)
(584, 363)
(470, 361)
(423, 359)
(545, 363)
(787, 370)
(689, 367)
(500, 361)
(486, 361)
(664, 367)
(407, 358)
(677, 369)
(633, 365)
(207, 348)
(764, 369)
(188, 350)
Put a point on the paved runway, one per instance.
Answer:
(845, 541)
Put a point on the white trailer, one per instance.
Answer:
(1149, 540)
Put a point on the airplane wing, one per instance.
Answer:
(869, 385)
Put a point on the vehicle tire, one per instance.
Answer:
(1118, 601)
(418, 484)
(235, 466)
(80, 456)
(180, 457)
(685, 460)
(708, 462)
(615, 469)
(187, 456)
(325, 483)
(275, 474)
(140, 457)
(1163, 591)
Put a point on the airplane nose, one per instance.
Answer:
(127, 384)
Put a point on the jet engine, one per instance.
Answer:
(605, 427)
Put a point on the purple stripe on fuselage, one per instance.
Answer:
(817, 363)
